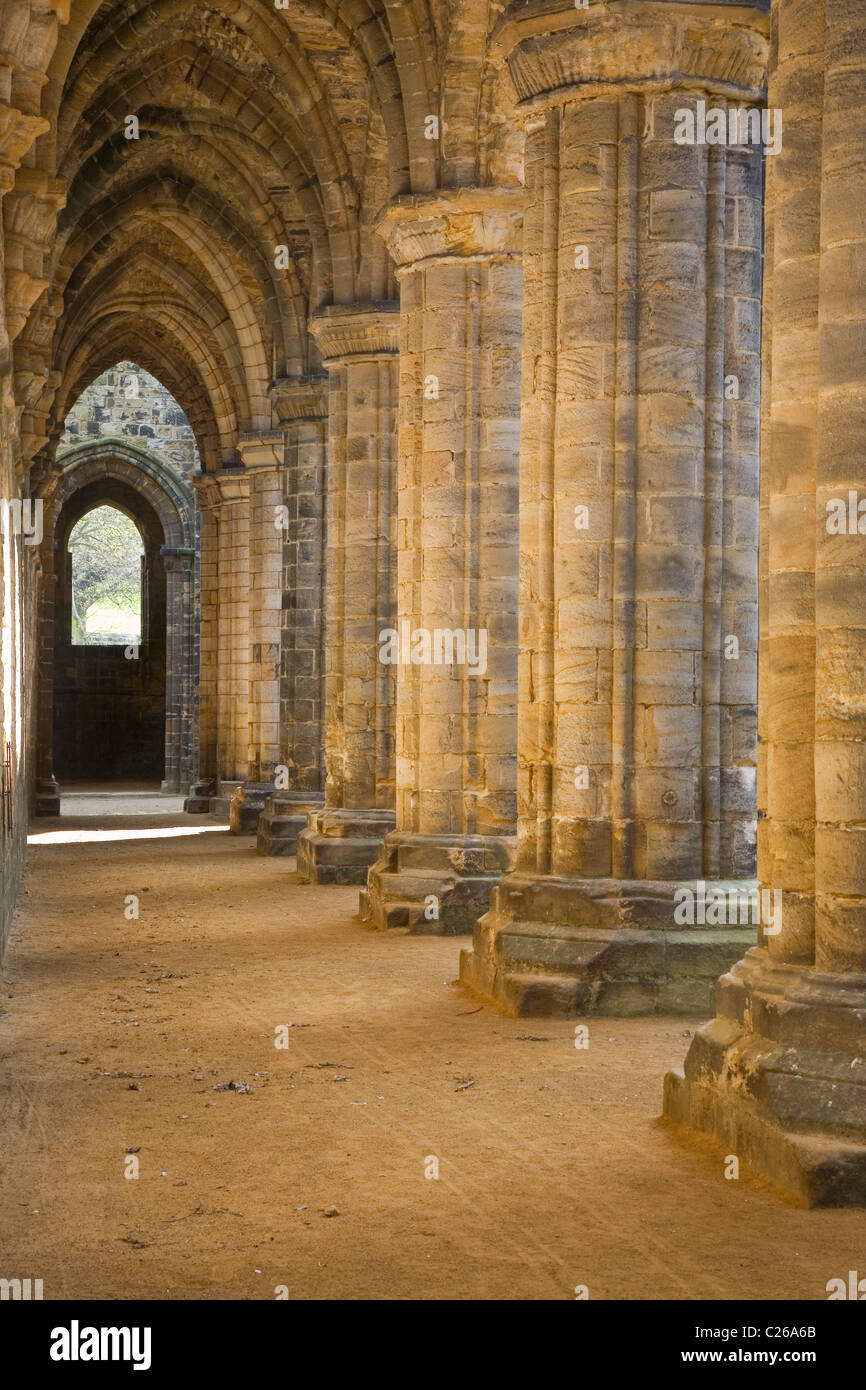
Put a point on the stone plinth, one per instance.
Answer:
(47, 802)
(282, 819)
(247, 804)
(201, 794)
(339, 846)
(434, 884)
(779, 1076)
(566, 947)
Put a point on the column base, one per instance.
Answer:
(246, 805)
(282, 820)
(570, 947)
(340, 846)
(459, 872)
(211, 798)
(199, 799)
(47, 800)
(779, 1077)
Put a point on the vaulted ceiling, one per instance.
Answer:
(212, 173)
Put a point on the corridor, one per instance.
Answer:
(554, 1171)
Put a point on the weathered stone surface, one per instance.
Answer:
(572, 946)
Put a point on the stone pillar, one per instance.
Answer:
(638, 511)
(455, 644)
(180, 670)
(201, 794)
(300, 406)
(21, 284)
(262, 456)
(358, 346)
(46, 800)
(224, 672)
(779, 1076)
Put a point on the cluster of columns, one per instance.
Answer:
(574, 375)
(570, 392)
(262, 624)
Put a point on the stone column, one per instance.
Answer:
(224, 673)
(779, 1076)
(201, 794)
(454, 647)
(46, 801)
(262, 456)
(180, 671)
(358, 346)
(29, 203)
(300, 406)
(638, 511)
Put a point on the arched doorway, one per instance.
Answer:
(113, 708)
(109, 694)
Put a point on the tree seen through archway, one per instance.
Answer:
(106, 551)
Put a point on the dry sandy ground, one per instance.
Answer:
(553, 1169)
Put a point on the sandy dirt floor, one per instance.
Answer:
(554, 1170)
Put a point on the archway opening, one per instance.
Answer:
(119, 628)
(110, 638)
(107, 579)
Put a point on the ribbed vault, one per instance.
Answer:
(266, 143)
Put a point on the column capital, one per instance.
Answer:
(556, 51)
(299, 398)
(177, 558)
(453, 224)
(17, 133)
(356, 333)
(262, 451)
(229, 485)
